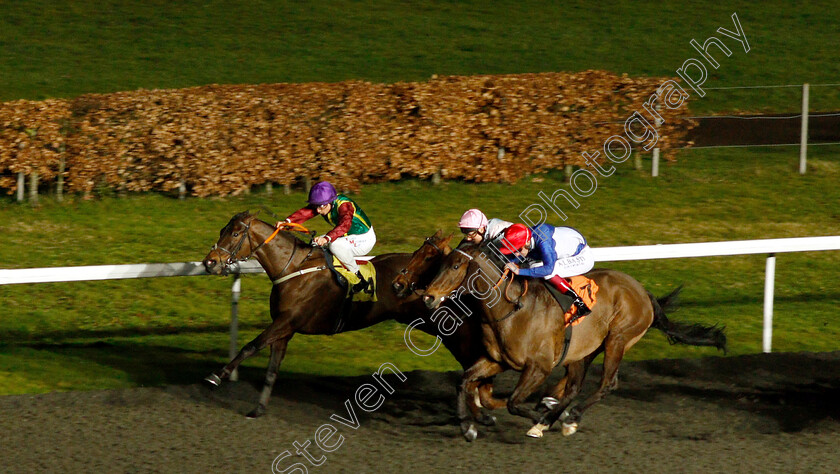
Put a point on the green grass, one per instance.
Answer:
(64, 49)
(106, 334)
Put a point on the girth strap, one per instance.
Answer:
(567, 338)
(299, 273)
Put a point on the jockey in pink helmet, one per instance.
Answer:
(476, 228)
(352, 235)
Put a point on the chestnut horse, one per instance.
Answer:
(527, 335)
(310, 303)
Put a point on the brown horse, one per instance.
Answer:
(527, 334)
(310, 303)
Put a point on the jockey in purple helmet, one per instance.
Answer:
(476, 228)
(352, 234)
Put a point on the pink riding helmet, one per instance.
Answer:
(473, 219)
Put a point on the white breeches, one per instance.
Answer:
(570, 262)
(347, 248)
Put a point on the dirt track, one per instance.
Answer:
(760, 413)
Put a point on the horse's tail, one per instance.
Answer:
(682, 333)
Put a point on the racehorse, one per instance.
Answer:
(305, 298)
(528, 334)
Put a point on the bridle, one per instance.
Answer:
(409, 274)
(246, 234)
(232, 253)
(517, 304)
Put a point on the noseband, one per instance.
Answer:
(405, 272)
(232, 258)
(246, 233)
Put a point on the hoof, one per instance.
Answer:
(469, 431)
(569, 429)
(487, 420)
(549, 402)
(537, 430)
(256, 412)
(213, 380)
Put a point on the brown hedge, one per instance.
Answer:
(223, 140)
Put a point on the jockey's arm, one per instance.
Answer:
(345, 221)
(301, 215)
(549, 259)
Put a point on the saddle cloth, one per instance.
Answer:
(368, 271)
(585, 288)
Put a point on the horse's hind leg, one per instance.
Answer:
(278, 351)
(615, 347)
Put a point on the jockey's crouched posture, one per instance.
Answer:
(352, 235)
(563, 252)
(476, 228)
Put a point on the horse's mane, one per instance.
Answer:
(293, 236)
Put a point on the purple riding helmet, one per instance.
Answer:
(322, 193)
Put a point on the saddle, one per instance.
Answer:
(347, 279)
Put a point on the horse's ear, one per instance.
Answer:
(438, 234)
(256, 213)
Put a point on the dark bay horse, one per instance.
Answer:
(527, 335)
(311, 303)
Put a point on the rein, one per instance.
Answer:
(516, 304)
(232, 258)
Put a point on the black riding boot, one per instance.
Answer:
(362, 285)
(582, 309)
(565, 288)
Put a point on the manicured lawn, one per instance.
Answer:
(64, 48)
(105, 334)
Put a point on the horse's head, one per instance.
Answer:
(453, 273)
(429, 255)
(234, 244)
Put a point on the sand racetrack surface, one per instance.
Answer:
(757, 413)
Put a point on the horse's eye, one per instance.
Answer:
(456, 266)
(428, 258)
(236, 234)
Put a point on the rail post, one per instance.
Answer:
(234, 322)
(803, 139)
(769, 282)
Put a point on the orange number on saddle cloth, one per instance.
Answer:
(586, 289)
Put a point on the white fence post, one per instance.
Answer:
(234, 322)
(803, 140)
(20, 184)
(654, 171)
(769, 282)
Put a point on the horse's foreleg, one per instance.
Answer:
(569, 386)
(249, 350)
(468, 394)
(530, 380)
(485, 395)
(278, 351)
(563, 393)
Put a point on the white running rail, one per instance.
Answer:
(770, 247)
